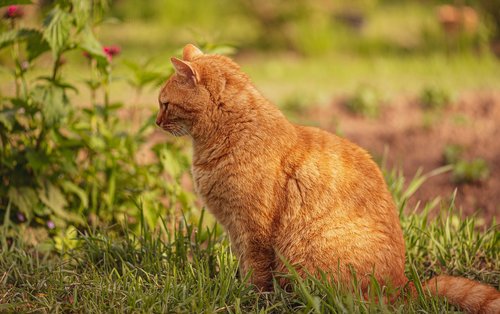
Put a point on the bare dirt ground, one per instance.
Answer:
(410, 141)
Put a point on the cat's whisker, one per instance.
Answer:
(176, 130)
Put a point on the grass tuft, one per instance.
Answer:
(187, 269)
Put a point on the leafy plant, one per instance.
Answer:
(433, 98)
(37, 158)
(63, 165)
(452, 153)
(464, 171)
(470, 171)
(491, 8)
(366, 101)
(295, 105)
(142, 75)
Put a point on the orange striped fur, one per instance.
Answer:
(470, 295)
(287, 191)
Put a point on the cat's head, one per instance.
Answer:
(190, 99)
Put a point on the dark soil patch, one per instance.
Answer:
(415, 139)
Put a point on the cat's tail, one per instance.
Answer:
(469, 295)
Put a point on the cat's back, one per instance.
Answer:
(327, 178)
(322, 152)
(337, 202)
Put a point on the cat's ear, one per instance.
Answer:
(184, 69)
(190, 52)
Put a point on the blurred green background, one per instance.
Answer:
(316, 49)
(319, 49)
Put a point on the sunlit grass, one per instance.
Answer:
(191, 269)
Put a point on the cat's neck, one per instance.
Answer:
(247, 124)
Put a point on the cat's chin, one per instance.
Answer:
(177, 132)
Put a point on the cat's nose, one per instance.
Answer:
(160, 117)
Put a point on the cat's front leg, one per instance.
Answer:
(256, 259)
(259, 262)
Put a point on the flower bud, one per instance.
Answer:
(13, 12)
(111, 51)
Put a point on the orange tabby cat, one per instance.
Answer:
(289, 192)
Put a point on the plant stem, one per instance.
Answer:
(106, 101)
(24, 83)
(40, 137)
(93, 66)
(55, 70)
(106, 92)
(17, 62)
(135, 106)
(55, 67)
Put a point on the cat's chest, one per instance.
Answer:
(217, 185)
(234, 189)
(217, 189)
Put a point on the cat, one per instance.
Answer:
(286, 192)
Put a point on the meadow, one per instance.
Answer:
(97, 209)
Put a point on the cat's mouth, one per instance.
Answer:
(174, 128)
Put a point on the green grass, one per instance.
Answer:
(191, 269)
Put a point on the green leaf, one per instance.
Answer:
(53, 102)
(81, 10)
(52, 197)
(170, 163)
(61, 84)
(109, 197)
(24, 198)
(97, 144)
(8, 118)
(37, 159)
(8, 38)
(4, 3)
(36, 45)
(91, 45)
(57, 32)
(144, 74)
(70, 187)
(67, 239)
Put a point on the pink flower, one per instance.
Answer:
(20, 217)
(111, 51)
(13, 12)
(25, 65)
(51, 224)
